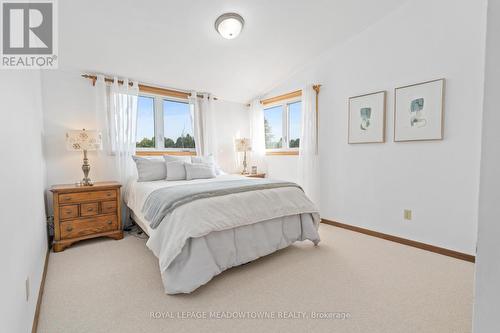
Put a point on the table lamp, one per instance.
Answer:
(83, 140)
(243, 145)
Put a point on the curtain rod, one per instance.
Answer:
(148, 89)
(293, 94)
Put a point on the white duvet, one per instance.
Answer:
(216, 215)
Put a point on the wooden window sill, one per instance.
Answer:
(282, 153)
(164, 152)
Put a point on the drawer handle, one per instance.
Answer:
(69, 228)
(110, 222)
(90, 209)
(108, 194)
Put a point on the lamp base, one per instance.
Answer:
(87, 182)
(86, 169)
(244, 171)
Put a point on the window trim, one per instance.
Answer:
(278, 152)
(297, 94)
(150, 152)
(285, 126)
(159, 129)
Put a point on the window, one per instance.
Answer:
(164, 124)
(177, 125)
(273, 126)
(282, 126)
(145, 122)
(294, 117)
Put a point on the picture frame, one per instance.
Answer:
(366, 118)
(419, 111)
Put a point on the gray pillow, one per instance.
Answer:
(149, 169)
(170, 158)
(199, 171)
(176, 170)
(207, 159)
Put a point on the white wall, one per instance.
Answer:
(22, 209)
(487, 297)
(69, 103)
(231, 122)
(369, 185)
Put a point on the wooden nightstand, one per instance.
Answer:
(257, 175)
(83, 212)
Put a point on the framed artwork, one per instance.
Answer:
(418, 111)
(367, 118)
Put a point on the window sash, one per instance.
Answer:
(289, 124)
(285, 126)
(139, 139)
(159, 125)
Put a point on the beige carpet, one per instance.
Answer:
(113, 286)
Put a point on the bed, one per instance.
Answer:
(200, 239)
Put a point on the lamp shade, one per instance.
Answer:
(243, 144)
(78, 140)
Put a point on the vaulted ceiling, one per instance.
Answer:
(174, 43)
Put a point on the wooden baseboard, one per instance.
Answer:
(409, 242)
(40, 293)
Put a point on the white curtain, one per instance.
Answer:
(257, 135)
(202, 118)
(122, 126)
(308, 153)
(196, 120)
(117, 119)
(208, 128)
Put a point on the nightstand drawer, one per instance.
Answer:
(108, 207)
(256, 175)
(88, 226)
(89, 209)
(68, 212)
(86, 196)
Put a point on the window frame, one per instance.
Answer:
(285, 124)
(159, 148)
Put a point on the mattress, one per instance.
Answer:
(203, 257)
(141, 223)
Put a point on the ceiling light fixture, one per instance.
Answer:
(229, 25)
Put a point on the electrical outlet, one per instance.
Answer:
(407, 214)
(27, 285)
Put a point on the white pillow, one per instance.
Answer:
(149, 169)
(170, 158)
(176, 170)
(199, 171)
(207, 159)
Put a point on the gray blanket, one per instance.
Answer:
(163, 201)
